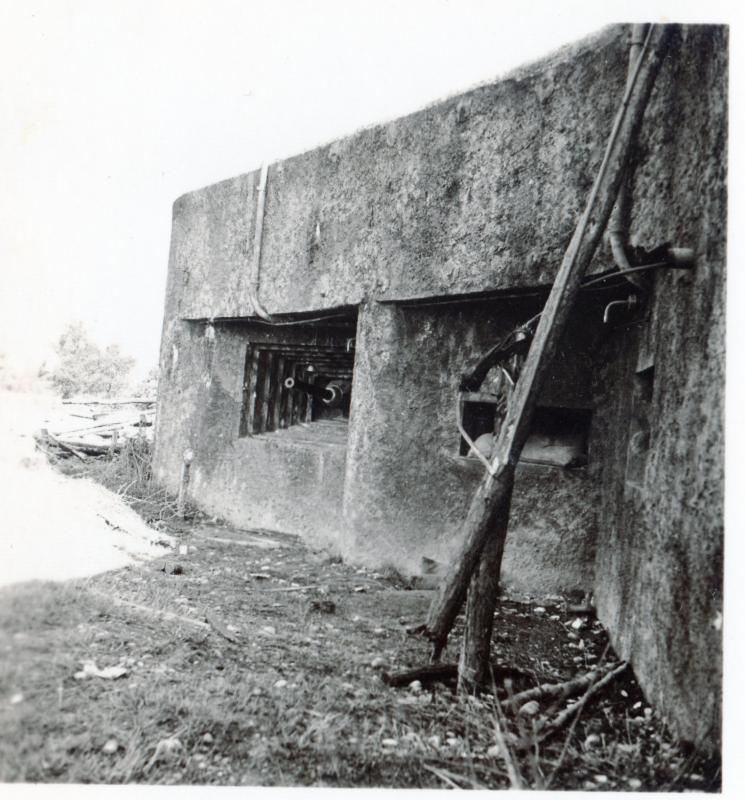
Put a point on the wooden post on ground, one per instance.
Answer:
(184, 485)
(492, 498)
(113, 443)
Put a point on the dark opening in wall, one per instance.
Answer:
(558, 436)
(478, 420)
(287, 383)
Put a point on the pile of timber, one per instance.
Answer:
(99, 427)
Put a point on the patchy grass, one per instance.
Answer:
(280, 688)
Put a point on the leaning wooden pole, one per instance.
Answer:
(491, 500)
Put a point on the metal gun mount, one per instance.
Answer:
(331, 394)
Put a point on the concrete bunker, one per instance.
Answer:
(432, 236)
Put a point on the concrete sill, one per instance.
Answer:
(476, 467)
(323, 433)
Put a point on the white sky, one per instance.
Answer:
(110, 110)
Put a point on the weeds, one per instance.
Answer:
(128, 473)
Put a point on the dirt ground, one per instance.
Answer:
(246, 659)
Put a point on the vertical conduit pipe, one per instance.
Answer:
(253, 285)
(619, 221)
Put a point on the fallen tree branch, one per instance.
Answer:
(553, 726)
(289, 588)
(150, 612)
(556, 691)
(432, 673)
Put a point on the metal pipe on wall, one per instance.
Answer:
(253, 285)
(619, 221)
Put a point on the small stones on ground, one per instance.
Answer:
(280, 684)
(539, 610)
(529, 709)
(183, 549)
(90, 670)
(166, 749)
(648, 713)
(268, 630)
(16, 698)
(415, 686)
(208, 738)
(434, 741)
(323, 606)
(389, 743)
(379, 663)
(634, 783)
(601, 779)
(593, 740)
(637, 705)
(359, 589)
(578, 623)
(379, 631)
(110, 747)
(493, 751)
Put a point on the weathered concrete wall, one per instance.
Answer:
(407, 491)
(268, 481)
(659, 558)
(482, 192)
